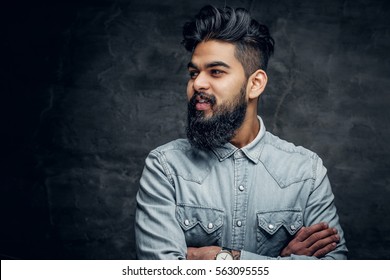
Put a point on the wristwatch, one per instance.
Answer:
(228, 254)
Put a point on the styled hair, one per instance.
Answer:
(254, 44)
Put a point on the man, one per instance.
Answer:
(232, 190)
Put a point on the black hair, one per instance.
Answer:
(254, 44)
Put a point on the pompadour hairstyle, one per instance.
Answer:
(254, 44)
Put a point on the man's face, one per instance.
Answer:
(217, 94)
(216, 73)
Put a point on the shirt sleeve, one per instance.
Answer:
(159, 235)
(320, 207)
(157, 232)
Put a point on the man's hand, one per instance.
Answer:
(202, 253)
(316, 240)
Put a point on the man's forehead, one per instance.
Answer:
(214, 53)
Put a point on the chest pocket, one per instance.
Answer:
(275, 229)
(201, 226)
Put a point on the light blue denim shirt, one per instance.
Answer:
(252, 199)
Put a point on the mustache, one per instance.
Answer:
(205, 96)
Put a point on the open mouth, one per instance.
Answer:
(204, 102)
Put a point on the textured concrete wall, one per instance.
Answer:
(89, 88)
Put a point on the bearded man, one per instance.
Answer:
(232, 190)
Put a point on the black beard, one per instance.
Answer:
(206, 133)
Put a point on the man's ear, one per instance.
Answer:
(256, 84)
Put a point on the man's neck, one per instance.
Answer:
(247, 132)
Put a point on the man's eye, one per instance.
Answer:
(193, 74)
(216, 72)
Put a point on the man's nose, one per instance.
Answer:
(201, 82)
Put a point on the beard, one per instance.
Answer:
(210, 132)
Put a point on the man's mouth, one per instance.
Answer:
(204, 102)
(203, 106)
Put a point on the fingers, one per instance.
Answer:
(325, 250)
(316, 240)
(325, 239)
(306, 232)
(325, 236)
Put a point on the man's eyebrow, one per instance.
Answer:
(191, 65)
(209, 65)
(217, 63)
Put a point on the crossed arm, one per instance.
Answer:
(156, 216)
(316, 240)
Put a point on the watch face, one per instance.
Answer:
(224, 255)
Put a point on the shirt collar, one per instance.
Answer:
(252, 150)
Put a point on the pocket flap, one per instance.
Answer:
(209, 219)
(271, 221)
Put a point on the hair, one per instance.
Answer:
(254, 44)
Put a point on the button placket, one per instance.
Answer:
(240, 199)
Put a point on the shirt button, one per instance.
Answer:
(239, 223)
(241, 188)
(187, 222)
(271, 226)
(292, 227)
(210, 225)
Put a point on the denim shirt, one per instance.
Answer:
(253, 199)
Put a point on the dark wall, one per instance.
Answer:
(89, 88)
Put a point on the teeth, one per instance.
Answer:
(202, 101)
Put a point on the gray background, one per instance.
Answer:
(88, 88)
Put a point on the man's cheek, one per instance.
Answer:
(190, 91)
